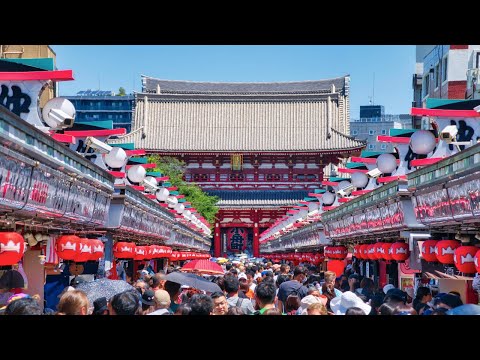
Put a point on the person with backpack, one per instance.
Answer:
(232, 285)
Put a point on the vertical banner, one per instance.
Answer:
(236, 239)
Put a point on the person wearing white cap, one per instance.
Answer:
(347, 300)
(388, 287)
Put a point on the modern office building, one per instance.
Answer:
(99, 105)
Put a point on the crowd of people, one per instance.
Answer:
(253, 289)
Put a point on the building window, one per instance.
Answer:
(354, 132)
(426, 85)
(437, 76)
(110, 116)
(371, 147)
(444, 69)
(383, 146)
(384, 132)
(371, 132)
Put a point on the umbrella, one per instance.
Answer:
(193, 281)
(204, 267)
(103, 288)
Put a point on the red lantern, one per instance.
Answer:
(124, 250)
(428, 250)
(97, 249)
(464, 258)
(400, 251)
(140, 253)
(67, 246)
(387, 251)
(371, 254)
(356, 250)
(337, 266)
(445, 250)
(379, 252)
(476, 261)
(174, 256)
(12, 246)
(84, 252)
(340, 252)
(328, 251)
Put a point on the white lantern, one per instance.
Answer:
(136, 174)
(312, 206)
(162, 194)
(187, 214)
(151, 180)
(328, 198)
(172, 201)
(359, 180)
(116, 158)
(422, 142)
(386, 163)
(179, 208)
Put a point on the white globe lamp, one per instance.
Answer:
(162, 194)
(172, 201)
(116, 158)
(59, 113)
(328, 198)
(387, 163)
(136, 174)
(422, 142)
(359, 180)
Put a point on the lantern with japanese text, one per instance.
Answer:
(140, 253)
(124, 250)
(428, 250)
(379, 251)
(328, 251)
(340, 252)
(85, 251)
(464, 259)
(97, 249)
(400, 251)
(445, 250)
(67, 246)
(387, 251)
(364, 251)
(371, 254)
(476, 261)
(12, 246)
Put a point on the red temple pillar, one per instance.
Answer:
(217, 244)
(256, 236)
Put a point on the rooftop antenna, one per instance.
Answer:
(373, 96)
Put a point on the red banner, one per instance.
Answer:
(236, 239)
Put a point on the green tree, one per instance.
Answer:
(121, 92)
(175, 169)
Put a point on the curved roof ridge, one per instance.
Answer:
(243, 82)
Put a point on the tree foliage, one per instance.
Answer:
(121, 92)
(175, 169)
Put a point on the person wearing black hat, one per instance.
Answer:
(148, 302)
(395, 297)
(100, 306)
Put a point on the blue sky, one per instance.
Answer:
(108, 67)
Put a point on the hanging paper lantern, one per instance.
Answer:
(387, 251)
(356, 250)
(428, 250)
(422, 142)
(124, 250)
(379, 252)
(371, 254)
(12, 246)
(364, 251)
(387, 163)
(476, 261)
(340, 252)
(337, 266)
(328, 198)
(445, 249)
(67, 246)
(359, 179)
(175, 256)
(85, 250)
(136, 174)
(141, 253)
(97, 249)
(464, 259)
(116, 158)
(328, 251)
(400, 251)
(162, 194)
